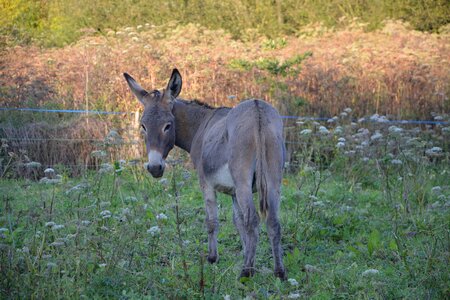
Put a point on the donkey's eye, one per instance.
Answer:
(167, 127)
(143, 127)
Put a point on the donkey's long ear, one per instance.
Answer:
(137, 90)
(175, 83)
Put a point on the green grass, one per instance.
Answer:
(335, 228)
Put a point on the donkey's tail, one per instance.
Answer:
(261, 170)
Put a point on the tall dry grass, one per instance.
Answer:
(394, 71)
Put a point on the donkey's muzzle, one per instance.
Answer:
(156, 170)
(155, 164)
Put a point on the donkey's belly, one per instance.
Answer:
(222, 181)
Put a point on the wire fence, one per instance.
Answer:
(298, 118)
(292, 140)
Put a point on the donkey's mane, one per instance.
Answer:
(199, 103)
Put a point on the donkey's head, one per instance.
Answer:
(158, 122)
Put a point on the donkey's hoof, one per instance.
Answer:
(280, 273)
(213, 259)
(247, 272)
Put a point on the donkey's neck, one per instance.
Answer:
(188, 118)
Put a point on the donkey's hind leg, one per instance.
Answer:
(212, 223)
(274, 232)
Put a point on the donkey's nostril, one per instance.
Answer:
(160, 167)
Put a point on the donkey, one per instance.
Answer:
(236, 151)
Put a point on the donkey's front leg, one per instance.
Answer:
(212, 224)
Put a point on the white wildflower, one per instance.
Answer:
(436, 190)
(155, 230)
(350, 153)
(396, 162)
(374, 117)
(130, 199)
(164, 181)
(50, 224)
(49, 173)
(102, 265)
(395, 129)
(376, 136)
(3, 229)
(338, 130)
(340, 145)
(332, 120)
(105, 214)
(85, 222)
(318, 204)
(57, 226)
(294, 296)
(51, 265)
(227, 297)
(348, 110)
(341, 139)
(370, 272)
(293, 282)
(438, 118)
(306, 132)
(135, 39)
(360, 120)
(161, 216)
(343, 114)
(78, 187)
(435, 151)
(323, 130)
(47, 180)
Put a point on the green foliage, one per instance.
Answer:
(273, 66)
(59, 22)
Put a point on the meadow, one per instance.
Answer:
(365, 199)
(364, 213)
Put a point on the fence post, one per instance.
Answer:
(136, 136)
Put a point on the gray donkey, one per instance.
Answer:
(236, 151)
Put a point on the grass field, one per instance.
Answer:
(364, 213)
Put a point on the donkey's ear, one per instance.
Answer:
(175, 83)
(137, 90)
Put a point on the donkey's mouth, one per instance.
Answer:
(157, 175)
(156, 171)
